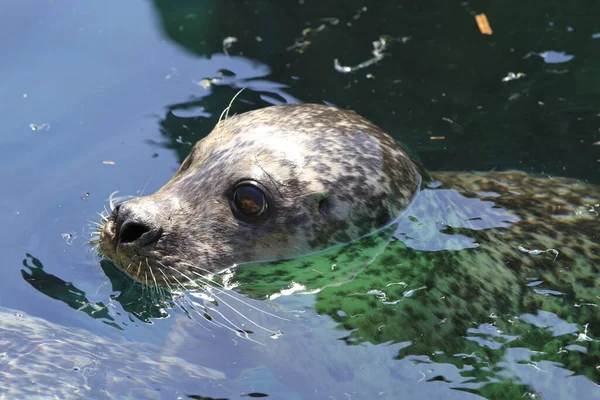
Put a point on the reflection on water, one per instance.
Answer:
(187, 122)
(45, 360)
(436, 212)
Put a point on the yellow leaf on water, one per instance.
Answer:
(483, 24)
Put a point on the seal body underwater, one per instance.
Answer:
(274, 183)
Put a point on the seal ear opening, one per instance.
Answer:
(324, 207)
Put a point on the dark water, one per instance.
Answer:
(84, 84)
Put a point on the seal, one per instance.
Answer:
(269, 184)
(485, 263)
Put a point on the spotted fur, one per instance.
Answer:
(301, 155)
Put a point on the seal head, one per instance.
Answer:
(274, 183)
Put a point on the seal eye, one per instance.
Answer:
(249, 201)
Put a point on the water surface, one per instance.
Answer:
(109, 96)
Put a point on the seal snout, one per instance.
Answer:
(134, 228)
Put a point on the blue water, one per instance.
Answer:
(94, 97)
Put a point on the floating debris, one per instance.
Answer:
(276, 335)
(331, 20)
(302, 42)
(35, 127)
(313, 30)
(69, 237)
(299, 46)
(227, 43)
(379, 47)
(108, 162)
(483, 24)
(511, 76)
(204, 83)
(359, 13)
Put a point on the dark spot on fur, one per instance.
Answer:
(389, 260)
(324, 207)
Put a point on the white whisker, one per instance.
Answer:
(151, 273)
(201, 277)
(239, 329)
(231, 102)
(111, 200)
(243, 316)
(144, 189)
(224, 291)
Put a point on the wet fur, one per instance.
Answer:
(301, 155)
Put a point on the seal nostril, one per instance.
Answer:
(132, 231)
